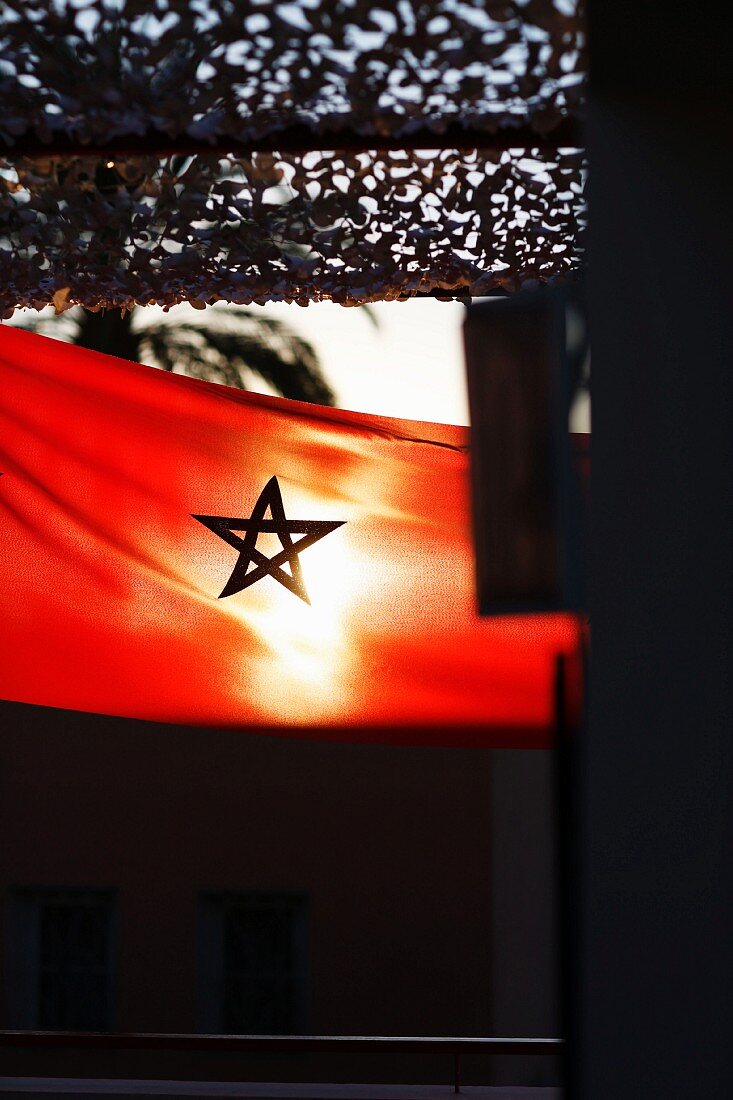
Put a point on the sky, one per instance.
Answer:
(410, 365)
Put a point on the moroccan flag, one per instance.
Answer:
(184, 552)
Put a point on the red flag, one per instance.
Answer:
(180, 551)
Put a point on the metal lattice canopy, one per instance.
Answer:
(184, 151)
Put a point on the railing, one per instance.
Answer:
(261, 1044)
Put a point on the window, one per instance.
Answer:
(253, 964)
(59, 967)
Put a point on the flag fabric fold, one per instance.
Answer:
(179, 551)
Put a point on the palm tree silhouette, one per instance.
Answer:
(229, 343)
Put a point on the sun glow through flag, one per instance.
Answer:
(135, 506)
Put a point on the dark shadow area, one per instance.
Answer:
(172, 879)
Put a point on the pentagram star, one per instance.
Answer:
(311, 529)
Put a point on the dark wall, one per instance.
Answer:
(525, 893)
(653, 896)
(392, 846)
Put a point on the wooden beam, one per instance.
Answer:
(300, 140)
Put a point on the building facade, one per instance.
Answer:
(167, 879)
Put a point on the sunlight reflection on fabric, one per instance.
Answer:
(306, 670)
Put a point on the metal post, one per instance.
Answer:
(456, 1072)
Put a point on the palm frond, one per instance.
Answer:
(184, 349)
(231, 342)
(371, 315)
